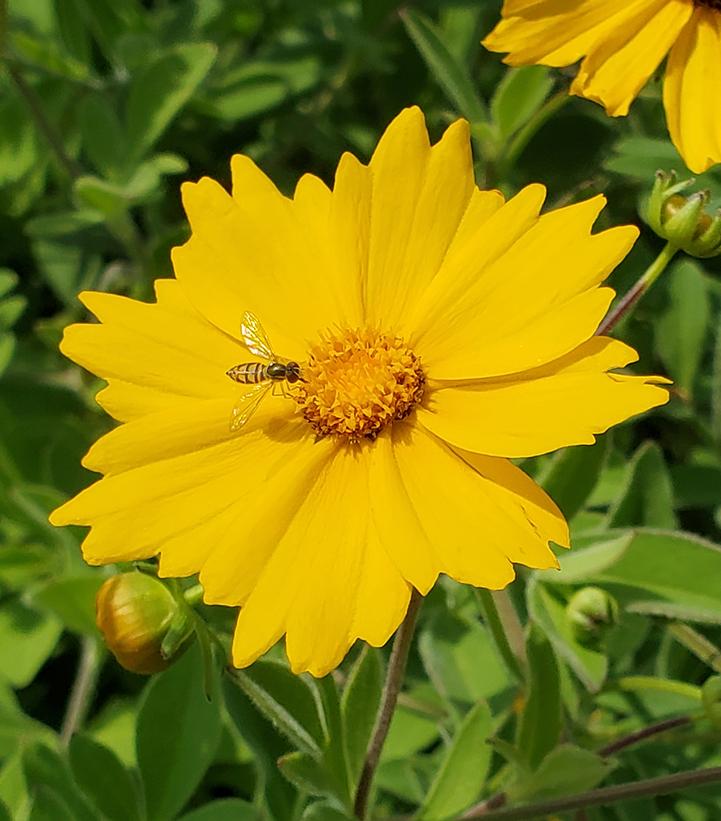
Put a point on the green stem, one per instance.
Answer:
(662, 785)
(83, 688)
(193, 595)
(632, 297)
(503, 623)
(529, 131)
(394, 680)
(44, 126)
(697, 644)
(678, 688)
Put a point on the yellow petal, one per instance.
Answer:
(475, 525)
(490, 229)
(560, 32)
(134, 512)
(560, 404)
(418, 198)
(165, 349)
(693, 77)
(618, 68)
(532, 303)
(316, 586)
(191, 425)
(253, 252)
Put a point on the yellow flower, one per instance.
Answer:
(440, 331)
(622, 43)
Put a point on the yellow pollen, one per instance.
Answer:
(356, 382)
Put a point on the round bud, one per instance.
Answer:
(682, 218)
(591, 613)
(134, 612)
(711, 698)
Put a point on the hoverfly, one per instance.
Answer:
(262, 376)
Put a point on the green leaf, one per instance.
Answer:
(49, 806)
(716, 393)
(306, 773)
(102, 134)
(681, 329)
(549, 613)
(669, 574)
(177, 736)
(104, 779)
(584, 563)
(267, 746)
(566, 769)
(13, 784)
(573, 474)
(27, 638)
(286, 700)
(450, 75)
(72, 600)
(359, 706)
(461, 660)
(105, 197)
(408, 734)
(224, 809)
(518, 96)
(18, 730)
(324, 811)
(464, 770)
(647, 495)
(540, 724)
(335, 760)
(160, 91)
(44, 767)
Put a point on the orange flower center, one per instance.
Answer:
(356, 382)
(710, 4)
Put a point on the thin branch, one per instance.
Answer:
(391, 689)
(643, 734)
(83, 689)
(54, 140)
(662, 785)
(484, 809)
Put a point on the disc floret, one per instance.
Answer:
(357, 381)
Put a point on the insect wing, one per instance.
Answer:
(255, 338)
(247, 405)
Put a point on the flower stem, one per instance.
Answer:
(697, 644)
(500, 799)
(54, 140)
(529, 131)
(662, 785)
(630, 298)
(505, 628)
(643, 734)
(83, 688)
(391, 689)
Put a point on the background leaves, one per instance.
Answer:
(105, 108)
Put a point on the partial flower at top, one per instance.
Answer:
(422, 332)
(622, 43)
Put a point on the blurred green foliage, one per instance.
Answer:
(105, 107)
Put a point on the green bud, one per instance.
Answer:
(711, 698)
(143, 625)
(591, 613)
(682, 218)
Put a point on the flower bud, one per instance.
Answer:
(711, 698)
(591, 613)
(681, 218)
(135, 613)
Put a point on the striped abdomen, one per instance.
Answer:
(249, 373)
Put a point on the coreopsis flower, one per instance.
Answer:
(622, 43)
(424, 332)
